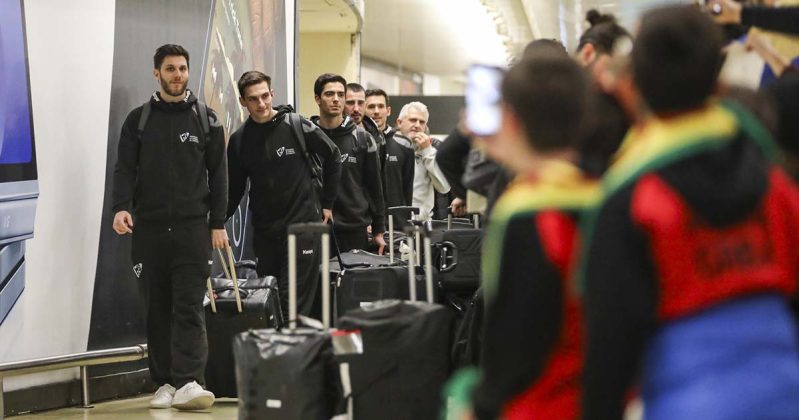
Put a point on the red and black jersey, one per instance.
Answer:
(532, 354)
(694, 215)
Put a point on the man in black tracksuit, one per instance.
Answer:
(360, 197)
(397, 158)
(171, 176)
(267, 151)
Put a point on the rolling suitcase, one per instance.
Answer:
(362, 278)
(403, 363)
(233, 307)
(457, 253)
(290, 374)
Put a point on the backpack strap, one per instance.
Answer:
(296, 127)
(202, 113)
(145, 115)
(314, 166)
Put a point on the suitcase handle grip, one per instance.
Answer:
(230, 272)
(448, 258)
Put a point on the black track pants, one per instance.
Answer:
(172, 266)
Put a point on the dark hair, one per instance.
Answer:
(326, 78)
(252, 77)
(377, 92)
(676, 58)
(355, 87)
(603, 33)
(550, 95)
(544, 47)
(167, 50)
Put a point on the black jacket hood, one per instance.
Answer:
(282, 110)
(371, 127)
(186, 103)
(345, 129)
(723, 186)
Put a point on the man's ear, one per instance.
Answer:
(318, 99)
(388, 111)
(242, 102)
(157, 74)
(587, 54)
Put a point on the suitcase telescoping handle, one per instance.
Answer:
(475, 220)
(322, 230)
(402, 213)
(230, 272)
(412, 232)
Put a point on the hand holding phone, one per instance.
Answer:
(483, 96)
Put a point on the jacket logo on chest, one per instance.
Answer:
(186, 136)
(392, 158)
(347, 158)
(284, 151)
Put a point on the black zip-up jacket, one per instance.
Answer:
(173, 175)
(281, 192)
(360, 196)
(398, 168)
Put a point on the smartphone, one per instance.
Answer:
(483, 95)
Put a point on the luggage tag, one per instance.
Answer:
(347, 342)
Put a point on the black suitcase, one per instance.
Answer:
(289, 374)
(367, 278)
(404, 360)
(260, 309)
(457, 254)
(357, 258)
(360, 287)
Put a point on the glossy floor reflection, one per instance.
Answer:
(136, 408)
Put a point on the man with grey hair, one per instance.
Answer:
(427, 178)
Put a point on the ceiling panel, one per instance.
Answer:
(427, 36)
(422, 35)
(328, 16)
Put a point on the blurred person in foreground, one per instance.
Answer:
(692, 259)
(532, 344)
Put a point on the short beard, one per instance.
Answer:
(177, 92)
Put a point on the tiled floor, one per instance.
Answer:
(136, 408)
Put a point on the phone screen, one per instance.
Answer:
(483, 95)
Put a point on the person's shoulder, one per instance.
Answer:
(403, 142)
(363, 138)
(133, 117)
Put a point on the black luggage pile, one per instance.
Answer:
(391, 355)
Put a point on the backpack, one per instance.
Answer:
(314, 163)
(199, 108)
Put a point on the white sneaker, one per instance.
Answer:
(163, 397)
(192, 397)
